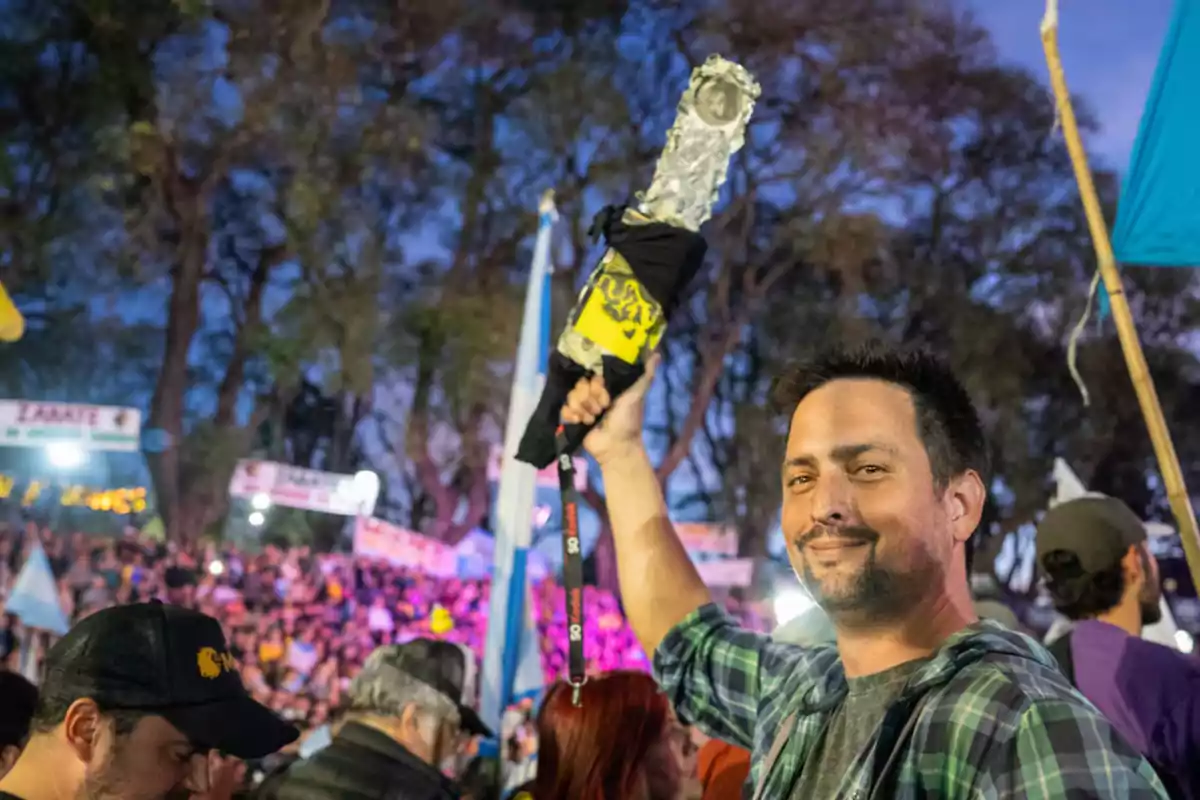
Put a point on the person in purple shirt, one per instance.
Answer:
(1103, 577)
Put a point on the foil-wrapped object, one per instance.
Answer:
(615, 315)
(709, 128)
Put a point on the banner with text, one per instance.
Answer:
(29, 423)
(707, 539)
(307, 489)
(726, 573)
(404, 548)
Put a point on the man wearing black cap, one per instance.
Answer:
(409, 714)
(1103, 577)
(133, 699)
(18, 698)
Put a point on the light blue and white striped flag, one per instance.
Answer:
(34, 601)
(511, 658)
(34, 597)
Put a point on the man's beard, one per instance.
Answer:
(1151, 608)
(876, 592)
(110, 782)
(1150, 599)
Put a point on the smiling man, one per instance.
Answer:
(884, 480)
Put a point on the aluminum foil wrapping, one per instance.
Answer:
(710, 126)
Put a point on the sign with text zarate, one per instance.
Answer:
(31, 423)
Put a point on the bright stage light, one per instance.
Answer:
(65, 455)
(257, 518)
(1184, 641)
(216, 568)
(790, 604)
(261, 501)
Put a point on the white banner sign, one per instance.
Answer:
(547, 477)
(404, 548)
(308, 489)
(707, 539)
(726, 572)
(27, 423)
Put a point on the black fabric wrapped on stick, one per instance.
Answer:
(663, 259)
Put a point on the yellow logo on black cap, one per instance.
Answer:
(212, 663)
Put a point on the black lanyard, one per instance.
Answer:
(572, 566)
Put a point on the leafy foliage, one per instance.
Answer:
(301, 230)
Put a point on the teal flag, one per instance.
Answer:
(1158, 220)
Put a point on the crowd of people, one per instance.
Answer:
(301, 623)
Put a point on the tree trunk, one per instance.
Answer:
(183, 317)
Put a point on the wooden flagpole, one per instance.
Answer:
(1135, 359)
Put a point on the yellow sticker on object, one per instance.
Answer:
(618, 314)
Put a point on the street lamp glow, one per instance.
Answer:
(366, 491)
(65, 455)
(261, 501)
(257, 518)
(790, 604)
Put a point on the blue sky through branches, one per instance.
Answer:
(1109, 50)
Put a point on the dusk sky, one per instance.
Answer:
(1109, 50)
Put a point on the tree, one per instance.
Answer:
(508, 122)
(301, 231)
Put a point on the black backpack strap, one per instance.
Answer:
(1060, 648)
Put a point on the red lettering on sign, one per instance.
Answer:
(51, 414)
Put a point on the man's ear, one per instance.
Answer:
(81, 727)
(1133, 565)
(965, 496)
(410, 720)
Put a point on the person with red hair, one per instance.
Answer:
(622, 742)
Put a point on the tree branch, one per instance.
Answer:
(710, 373)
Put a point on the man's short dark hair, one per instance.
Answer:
(1078, 595)
(946, 418)
(18, 698)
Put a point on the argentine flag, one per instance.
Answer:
(511, 657)
(34, 601)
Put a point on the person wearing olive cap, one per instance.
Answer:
(409, 715)
(1102, 575)
(133, 700)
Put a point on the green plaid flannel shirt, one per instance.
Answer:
(994, 716)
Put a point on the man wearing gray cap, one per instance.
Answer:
(409, 713)
(1102, 575)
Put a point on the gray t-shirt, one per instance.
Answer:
(851, 727)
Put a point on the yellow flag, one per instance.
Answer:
(12, 324)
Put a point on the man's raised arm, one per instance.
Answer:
(721, 677)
